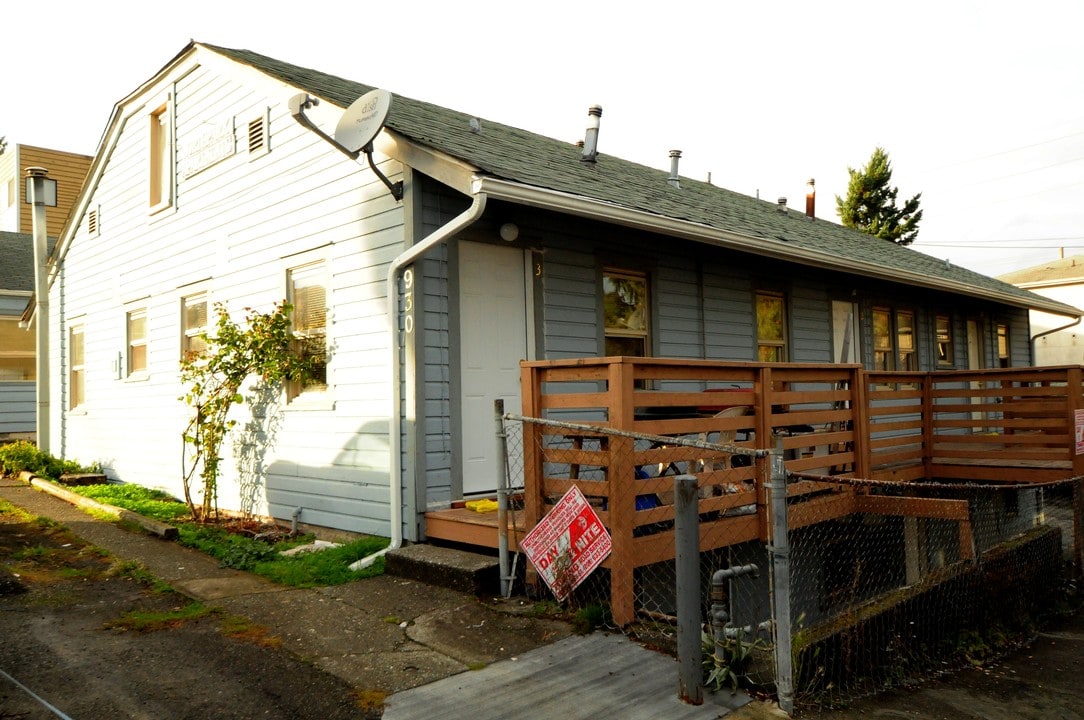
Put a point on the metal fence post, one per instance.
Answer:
(502, 499)
(687, 569)
(780, 579)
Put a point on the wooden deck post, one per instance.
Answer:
(762, 388)
(1075, 403)
(620, 475)
(533, 476)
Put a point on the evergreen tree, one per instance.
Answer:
(870, 205)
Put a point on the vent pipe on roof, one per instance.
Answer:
(675, 156)
(811, 200)
(782, 205)
(590, 142)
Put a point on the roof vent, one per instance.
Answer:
(475, 125)
(675, 156)
(781, 204)
(590, 142)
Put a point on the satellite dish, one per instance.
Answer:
(361, 121)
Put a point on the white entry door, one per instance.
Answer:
(493, 340)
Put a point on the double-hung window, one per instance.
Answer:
(306, 291)
(76, 370)
(136, 322)
(193, 325)
(771, 311)
(16, 352)
(625, 312)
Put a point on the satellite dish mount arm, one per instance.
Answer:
(396, 189)
(298, 105)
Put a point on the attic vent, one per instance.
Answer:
(92, 222)
(257, 136)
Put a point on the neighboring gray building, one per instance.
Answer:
(210, 186)
(17, 391)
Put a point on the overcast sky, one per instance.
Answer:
(980, 105)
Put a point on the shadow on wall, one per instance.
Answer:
(350, 493)
(252, 442)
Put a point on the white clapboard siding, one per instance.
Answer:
(234, 229)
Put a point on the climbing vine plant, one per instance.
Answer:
(261, 348)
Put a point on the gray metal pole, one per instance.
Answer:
(780, 552)
(41, 305)
(502, 499)
(687, 568)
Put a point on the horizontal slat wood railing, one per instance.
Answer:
(830, 420)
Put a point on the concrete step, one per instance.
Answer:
(460, 570)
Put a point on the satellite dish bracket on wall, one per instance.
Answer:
(359, 125)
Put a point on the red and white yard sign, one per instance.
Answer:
(568, 544)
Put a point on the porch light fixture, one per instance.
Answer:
(509, 232)
(46, 187)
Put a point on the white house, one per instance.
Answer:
(215, 183)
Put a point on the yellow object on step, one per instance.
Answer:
(482, 505)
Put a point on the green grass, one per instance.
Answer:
(314, 569)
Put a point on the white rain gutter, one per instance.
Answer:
(584, 207)
(444, 232)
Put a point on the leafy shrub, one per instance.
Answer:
(23, 456)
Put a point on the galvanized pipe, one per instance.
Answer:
(687, 569)
(502, 499)
(780, 580)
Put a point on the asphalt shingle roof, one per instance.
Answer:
(17, 271)
(517, 155)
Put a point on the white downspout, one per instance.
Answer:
(1035, 338)
(444, 232)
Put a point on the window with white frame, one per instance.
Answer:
(306, 292)
(76, 370)
(160, 159)
(193, 325)
(136, 323)
(16, 352)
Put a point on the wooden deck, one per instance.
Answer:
(460, 525)
(994, 426)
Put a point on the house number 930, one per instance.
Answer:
(408, 300)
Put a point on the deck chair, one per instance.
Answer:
(726, 462)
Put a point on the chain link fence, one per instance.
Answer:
(889, 582)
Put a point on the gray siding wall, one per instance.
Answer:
(18, 406)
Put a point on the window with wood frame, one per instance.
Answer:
(946, 350)
(1004, 356)
(771, 310)
(907, 358)
(626, 310)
